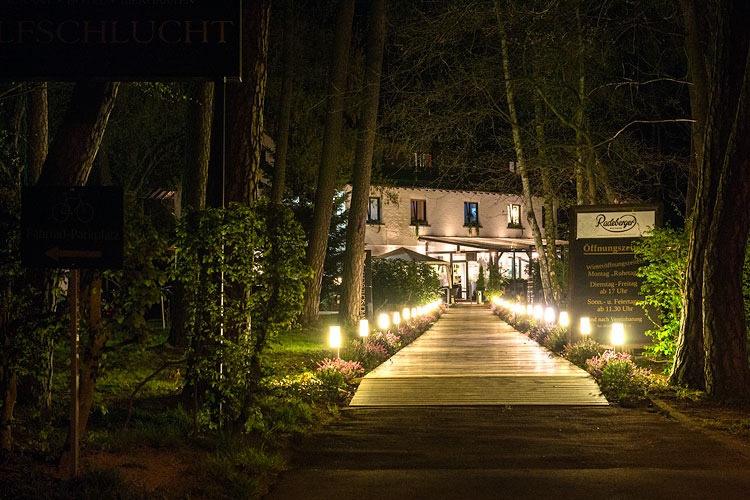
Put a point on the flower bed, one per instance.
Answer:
(619, 378)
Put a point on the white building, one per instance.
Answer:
(465, 229)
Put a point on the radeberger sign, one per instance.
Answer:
(119, 39)
(603, 278)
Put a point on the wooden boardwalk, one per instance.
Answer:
(471, 357)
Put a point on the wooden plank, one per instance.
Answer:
(470, 357)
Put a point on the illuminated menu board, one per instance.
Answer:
(602, 279)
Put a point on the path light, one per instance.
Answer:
(564, 321)
(538, 312)
(585, 326)
(396, 318)
(364, 328)
(497, 301)
(420, 311)
(413, 312)
(405, 313)
(334, 339)
(618, 334)
(549, 315)
(384, 321)
(529, 310)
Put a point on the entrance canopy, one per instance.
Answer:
(491, 244)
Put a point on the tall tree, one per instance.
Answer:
(354, 256)
(721, 215)
(285, 104)
(329, 161)
(194, 185)
(38, 130)
(523, 170)
(245, 102)
(77, 140)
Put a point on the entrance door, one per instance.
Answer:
(460, 280)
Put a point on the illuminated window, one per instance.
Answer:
(514, 215)
(471, 213)
(418, 212)
(373, 211)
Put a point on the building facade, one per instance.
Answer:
(466, 229)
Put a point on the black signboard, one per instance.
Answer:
(72, 227)
(603, 281)
(119, 39)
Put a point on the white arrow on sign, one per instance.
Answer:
(57, 253)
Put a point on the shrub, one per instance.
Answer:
(557, 340)
(390, 341)
(623, 381)
(338, 369)
(665, 255)
(538, 333)
(368, 354)
(582, 351)
(619, 378)
(399, 283)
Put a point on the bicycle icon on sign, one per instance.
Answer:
(73, 206)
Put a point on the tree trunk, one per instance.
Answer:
(354, 257)
(285, 105)
(713, 317)
(245, 103)
(38, 130)
(726, 154)
(194, 186)
(522, 167)
(698, 89)
(550, 225)
(77, 140)
(329, 161)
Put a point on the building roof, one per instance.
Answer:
(404, 253)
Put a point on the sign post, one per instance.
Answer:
(72, 228)
(602, 279)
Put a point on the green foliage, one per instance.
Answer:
(256, 253)
(397, 283)
(495, 283)
(106, 483)
(481, 282)
(665, 257)
(557, 340)
(581, 351)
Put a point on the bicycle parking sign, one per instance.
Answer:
(72, 227)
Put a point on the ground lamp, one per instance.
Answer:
(420, 311)
(585, 326)
(529, 310)
(538, 312)
(334, 339)
(618, 334)
(549, 315)
(384, 321)
(364, 328)
(413, 312)
(405, 313)
(396, 318)
(564, 321)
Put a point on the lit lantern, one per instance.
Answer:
(384, 321)
(564, 321)
(549, 315)
(585, 326)
(538, 312)
(396, 318)
(529, 310)
(618, 334)
(413, 312)
(364, 328)
(334, 339)
(405, 313)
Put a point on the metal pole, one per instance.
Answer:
(74, 437)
